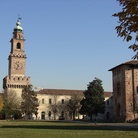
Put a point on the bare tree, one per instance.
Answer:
(11, 104)
(72, 106)
(54, 105)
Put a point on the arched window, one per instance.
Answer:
(18, 36)
(18, 46)
(43, 115)
(62, 101)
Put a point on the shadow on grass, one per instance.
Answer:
(75, 127)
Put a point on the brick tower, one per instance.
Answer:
(16, 79)
(125, 91)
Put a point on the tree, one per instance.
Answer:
(11, 105)
(128, 22)
(54, 106)
(30, 102)
(73, 105)
(93, 101)
(1, 102)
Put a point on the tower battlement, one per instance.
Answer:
(15, 81)
(18, 55)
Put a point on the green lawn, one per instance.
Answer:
(45, 129)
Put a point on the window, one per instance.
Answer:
(50, 101)
(43, 101)
(43, 115)
(107, 102)
(18, 36)
(36, 102)
(18, 46)
(49, 114)
(62, 101)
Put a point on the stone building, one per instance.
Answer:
(125, 91)
(16, 78)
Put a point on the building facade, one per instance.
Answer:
(59, 97)
(50, 100)
(16, 78)
(125, 91)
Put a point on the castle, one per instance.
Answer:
(122, 106)
(125, 91)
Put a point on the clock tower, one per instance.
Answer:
(16, 79)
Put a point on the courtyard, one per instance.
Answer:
(66, 129)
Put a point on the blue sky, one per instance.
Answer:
(68, 42)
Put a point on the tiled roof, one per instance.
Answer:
(108, 94)
(67, 92)
(61, 92)
(132, 62)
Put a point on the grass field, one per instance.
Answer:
(62, 129)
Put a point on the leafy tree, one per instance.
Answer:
(128, 22)
(29, 104)
(93, 101)
(11, 106)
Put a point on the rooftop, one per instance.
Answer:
(67, 92)
(132, 62)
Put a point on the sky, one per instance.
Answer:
(68, 42)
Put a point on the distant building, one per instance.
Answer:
(125, 91)
(46, 97)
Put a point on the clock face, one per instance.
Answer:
(18, 65)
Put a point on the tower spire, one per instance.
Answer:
(18, 25)
(19, 17)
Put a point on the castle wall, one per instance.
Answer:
(125, 92)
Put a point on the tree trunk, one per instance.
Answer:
(73, 115)
(54, 116)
